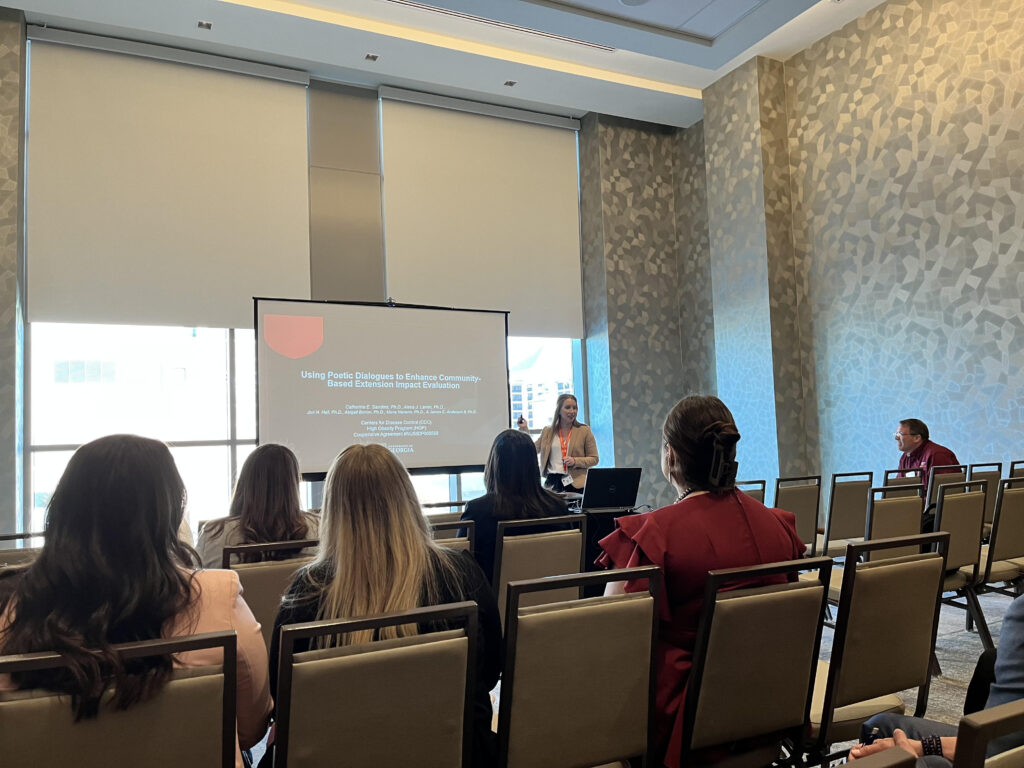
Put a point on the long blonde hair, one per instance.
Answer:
(376, 543)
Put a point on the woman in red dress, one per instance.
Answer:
(711, 525)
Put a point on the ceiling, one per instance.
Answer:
(641, 59)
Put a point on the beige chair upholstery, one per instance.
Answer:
(893, 514)
(753, 488)
(263, 586)
(16, 557)
(404, 702)
(990, 474)
(977, 730)
(19, 548)
(744, 699)
(847, 512)
(1016, 469)
(1002, 559)
(901, 477)
(535, 555)
(869, 662)
(445, 534)
(190, 722)
(802, 497)
(952, 474)
(577, 686)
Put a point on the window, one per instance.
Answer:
(195, 388)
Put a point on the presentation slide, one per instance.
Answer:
(430, 384)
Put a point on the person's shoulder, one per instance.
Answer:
(219, 527)
(481, 505)
(216, 586)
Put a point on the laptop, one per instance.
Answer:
(611, 488)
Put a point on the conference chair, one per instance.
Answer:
(876, 653)
(554, 547)
(1017, 468)
(191, 721)
(745, 700)
(991, 474)
(446, 534)
(1002, 559)
(264, 583)
(13, 549)
(753, 488)
(893, 512)
(578, 686)
(847, 511)
(900, 477)
(976, 731)
(802, 497)
(944, 475)
(960, 510)
(400, 702)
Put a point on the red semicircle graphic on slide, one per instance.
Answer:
(293, 336)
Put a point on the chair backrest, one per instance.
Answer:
(960, 510)
(738, 690)
(16, 548)
(444, 534)
(802, 497)
(898, 477)
(990, 473)
(847, 505)
(264, 584)
(556, 552)
(869, 658)
(578, 683)
(945, 475)
(1007, 538)
(893, 512)
(407, 701)
(1016, 468)
(442, 517)
(977, 730)
(753, 488)
(191, 721)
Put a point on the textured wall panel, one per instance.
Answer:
(908, 198)
(12, 118)
(696, 313)
(736, 216)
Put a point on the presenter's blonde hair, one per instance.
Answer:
(376, 541)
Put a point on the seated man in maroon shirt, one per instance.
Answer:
(919, 451)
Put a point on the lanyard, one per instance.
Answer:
(564, 443)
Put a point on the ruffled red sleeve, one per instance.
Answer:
(636, 541)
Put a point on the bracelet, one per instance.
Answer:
(932, 745)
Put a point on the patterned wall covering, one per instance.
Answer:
(12, 50)
(739, 266)
(792, 356)
(696, 313)
(907, 158)
(641, 289)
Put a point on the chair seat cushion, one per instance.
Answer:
(846, 721)
(835, 583)
(1002, 570)
(955, 580)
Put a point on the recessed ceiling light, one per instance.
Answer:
(510, 83)
(632, 3)
(205, 25)
(371, 57)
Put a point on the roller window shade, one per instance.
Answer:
(161, 193)
(482, 212)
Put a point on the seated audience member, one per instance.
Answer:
(567, 447)
(918, 451)
(514, 492)
(711, 525)
(376, 556)
(112, 570)
(935, 743)
(264, 507)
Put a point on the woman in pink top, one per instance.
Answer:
(113, 570)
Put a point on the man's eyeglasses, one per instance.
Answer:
(898, 435)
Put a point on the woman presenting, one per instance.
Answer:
(567, 448)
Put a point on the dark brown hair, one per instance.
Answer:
(266, 498)
(702, 434)
(111, 570)
(511, 474)
(916, 427)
